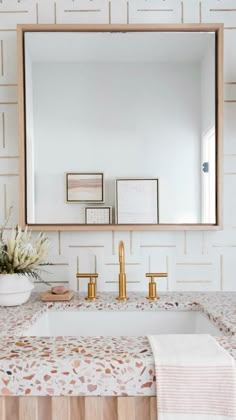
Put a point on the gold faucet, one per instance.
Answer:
(122, 275)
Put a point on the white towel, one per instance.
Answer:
(195, 378)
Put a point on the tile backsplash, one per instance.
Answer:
(193, 260)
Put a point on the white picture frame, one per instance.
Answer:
(137, 201)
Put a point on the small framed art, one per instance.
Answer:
(84, 187)
(98, 215)
(137, 201)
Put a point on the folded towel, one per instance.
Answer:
(195, 378)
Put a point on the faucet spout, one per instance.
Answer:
(122, 256)
(122, 275)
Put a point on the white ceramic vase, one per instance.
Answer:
(15, 289)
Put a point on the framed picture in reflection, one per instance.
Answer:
(137, 201)
(84, 187)
(98, 215)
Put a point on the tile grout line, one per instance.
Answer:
(131, 242)
(155, 10)
(9, 157)
(117, 263)
(95, 264)
(8, 102)
(192, 263)
(59, 264)
(193, 281)
(3, 131)
(221, 272)
(109, 12)
(59, 242)
(81, 10)
(13, 11)
(203, 243)
(167, 270)
(5, 200)
(128, 281)
(77, 271)
(113, 242)
(157, 246)
(2, 63)
(55, 12)
(222, 10)
(9, 174)
(85, 246)
(223, 246)
(37, 12)
(185, 242)
(57, 281)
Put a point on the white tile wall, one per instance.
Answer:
(194, 260)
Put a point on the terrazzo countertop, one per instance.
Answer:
(95, 365)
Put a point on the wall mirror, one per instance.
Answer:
(120, 126)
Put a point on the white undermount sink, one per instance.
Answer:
(121, 323)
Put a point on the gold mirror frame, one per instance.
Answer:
(217, 28)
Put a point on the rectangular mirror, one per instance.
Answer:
(102, 103)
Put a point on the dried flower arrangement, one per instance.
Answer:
(21, 254)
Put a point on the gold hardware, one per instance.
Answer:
(152, 285)
(91, 284)
(91, 290)
(122, 275)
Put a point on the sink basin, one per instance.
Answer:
(121, 323)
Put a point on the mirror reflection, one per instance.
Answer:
(122, 123)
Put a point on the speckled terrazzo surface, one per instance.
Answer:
(95, 365)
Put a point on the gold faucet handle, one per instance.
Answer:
(92, 284)
(156, 274)
(152, 285)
